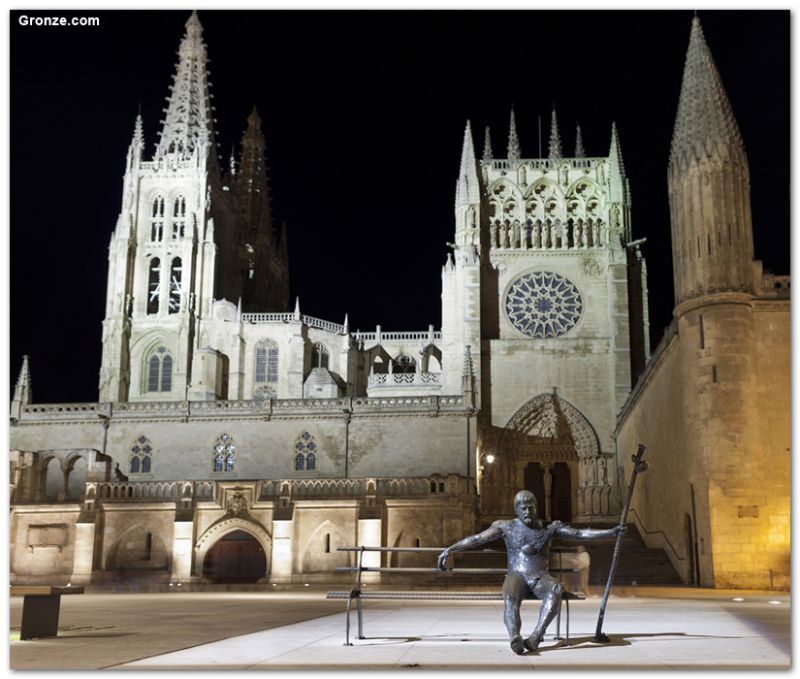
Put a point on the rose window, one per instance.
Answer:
(543, 304)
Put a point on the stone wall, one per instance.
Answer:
(713, 410)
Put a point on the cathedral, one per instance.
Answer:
(236, 439)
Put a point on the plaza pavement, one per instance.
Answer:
(650, 628)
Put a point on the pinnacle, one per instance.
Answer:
(514, 152)
(705, 118)
(467, 190)
(487, 146)
(555, 139)
(615, 152)
(580, 152)
(254, 120)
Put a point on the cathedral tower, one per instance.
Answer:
(727, 329)
(709, 185)
(174, 247)
(263, 262)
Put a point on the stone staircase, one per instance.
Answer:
(637, 563)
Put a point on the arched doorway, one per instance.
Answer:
(534, 482)
(237, 557)
(561, 493)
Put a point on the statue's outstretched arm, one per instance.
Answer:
(493, 532)
(590, 533)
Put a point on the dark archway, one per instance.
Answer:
(561, 508)
(236, 558)
(534, 482)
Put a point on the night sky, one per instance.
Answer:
(363, 114)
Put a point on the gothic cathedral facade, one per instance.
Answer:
(228, 420)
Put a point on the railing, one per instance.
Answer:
(421, 336)
(545, 163)
(403, 379)
(295, 489)
(267, 318)
(149, 490)
(310, 321)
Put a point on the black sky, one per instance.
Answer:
(363, 114)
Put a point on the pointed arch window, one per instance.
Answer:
(224, 454)
(319, 356)
(154, 286)
(179, 218)
(175, 286)
(141, 457)
(266, 368)
(305, 453)
(159, 370)
(157, 222)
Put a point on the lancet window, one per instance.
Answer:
(157, 222)
(319, 356)
(175, 286)
(154, 286)
(159, 370)
(266, 368)
(179, 218)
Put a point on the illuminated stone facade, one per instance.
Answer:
(231, 429)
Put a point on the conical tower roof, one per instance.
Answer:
(189, 121)
(705, 118)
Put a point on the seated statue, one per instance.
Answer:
(528, 546)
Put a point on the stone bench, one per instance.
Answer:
(357, 593)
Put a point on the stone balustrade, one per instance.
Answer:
(405, 379)
(297, 489)
(546, 164)
(310, 321)
(148, 410)
(149, 490)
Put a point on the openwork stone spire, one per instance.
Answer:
(188, 123)
(514, 152)
(467, 187)
(705, 119)
(579, 150)
(555, 139)
(251, 188)
(487, 146)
